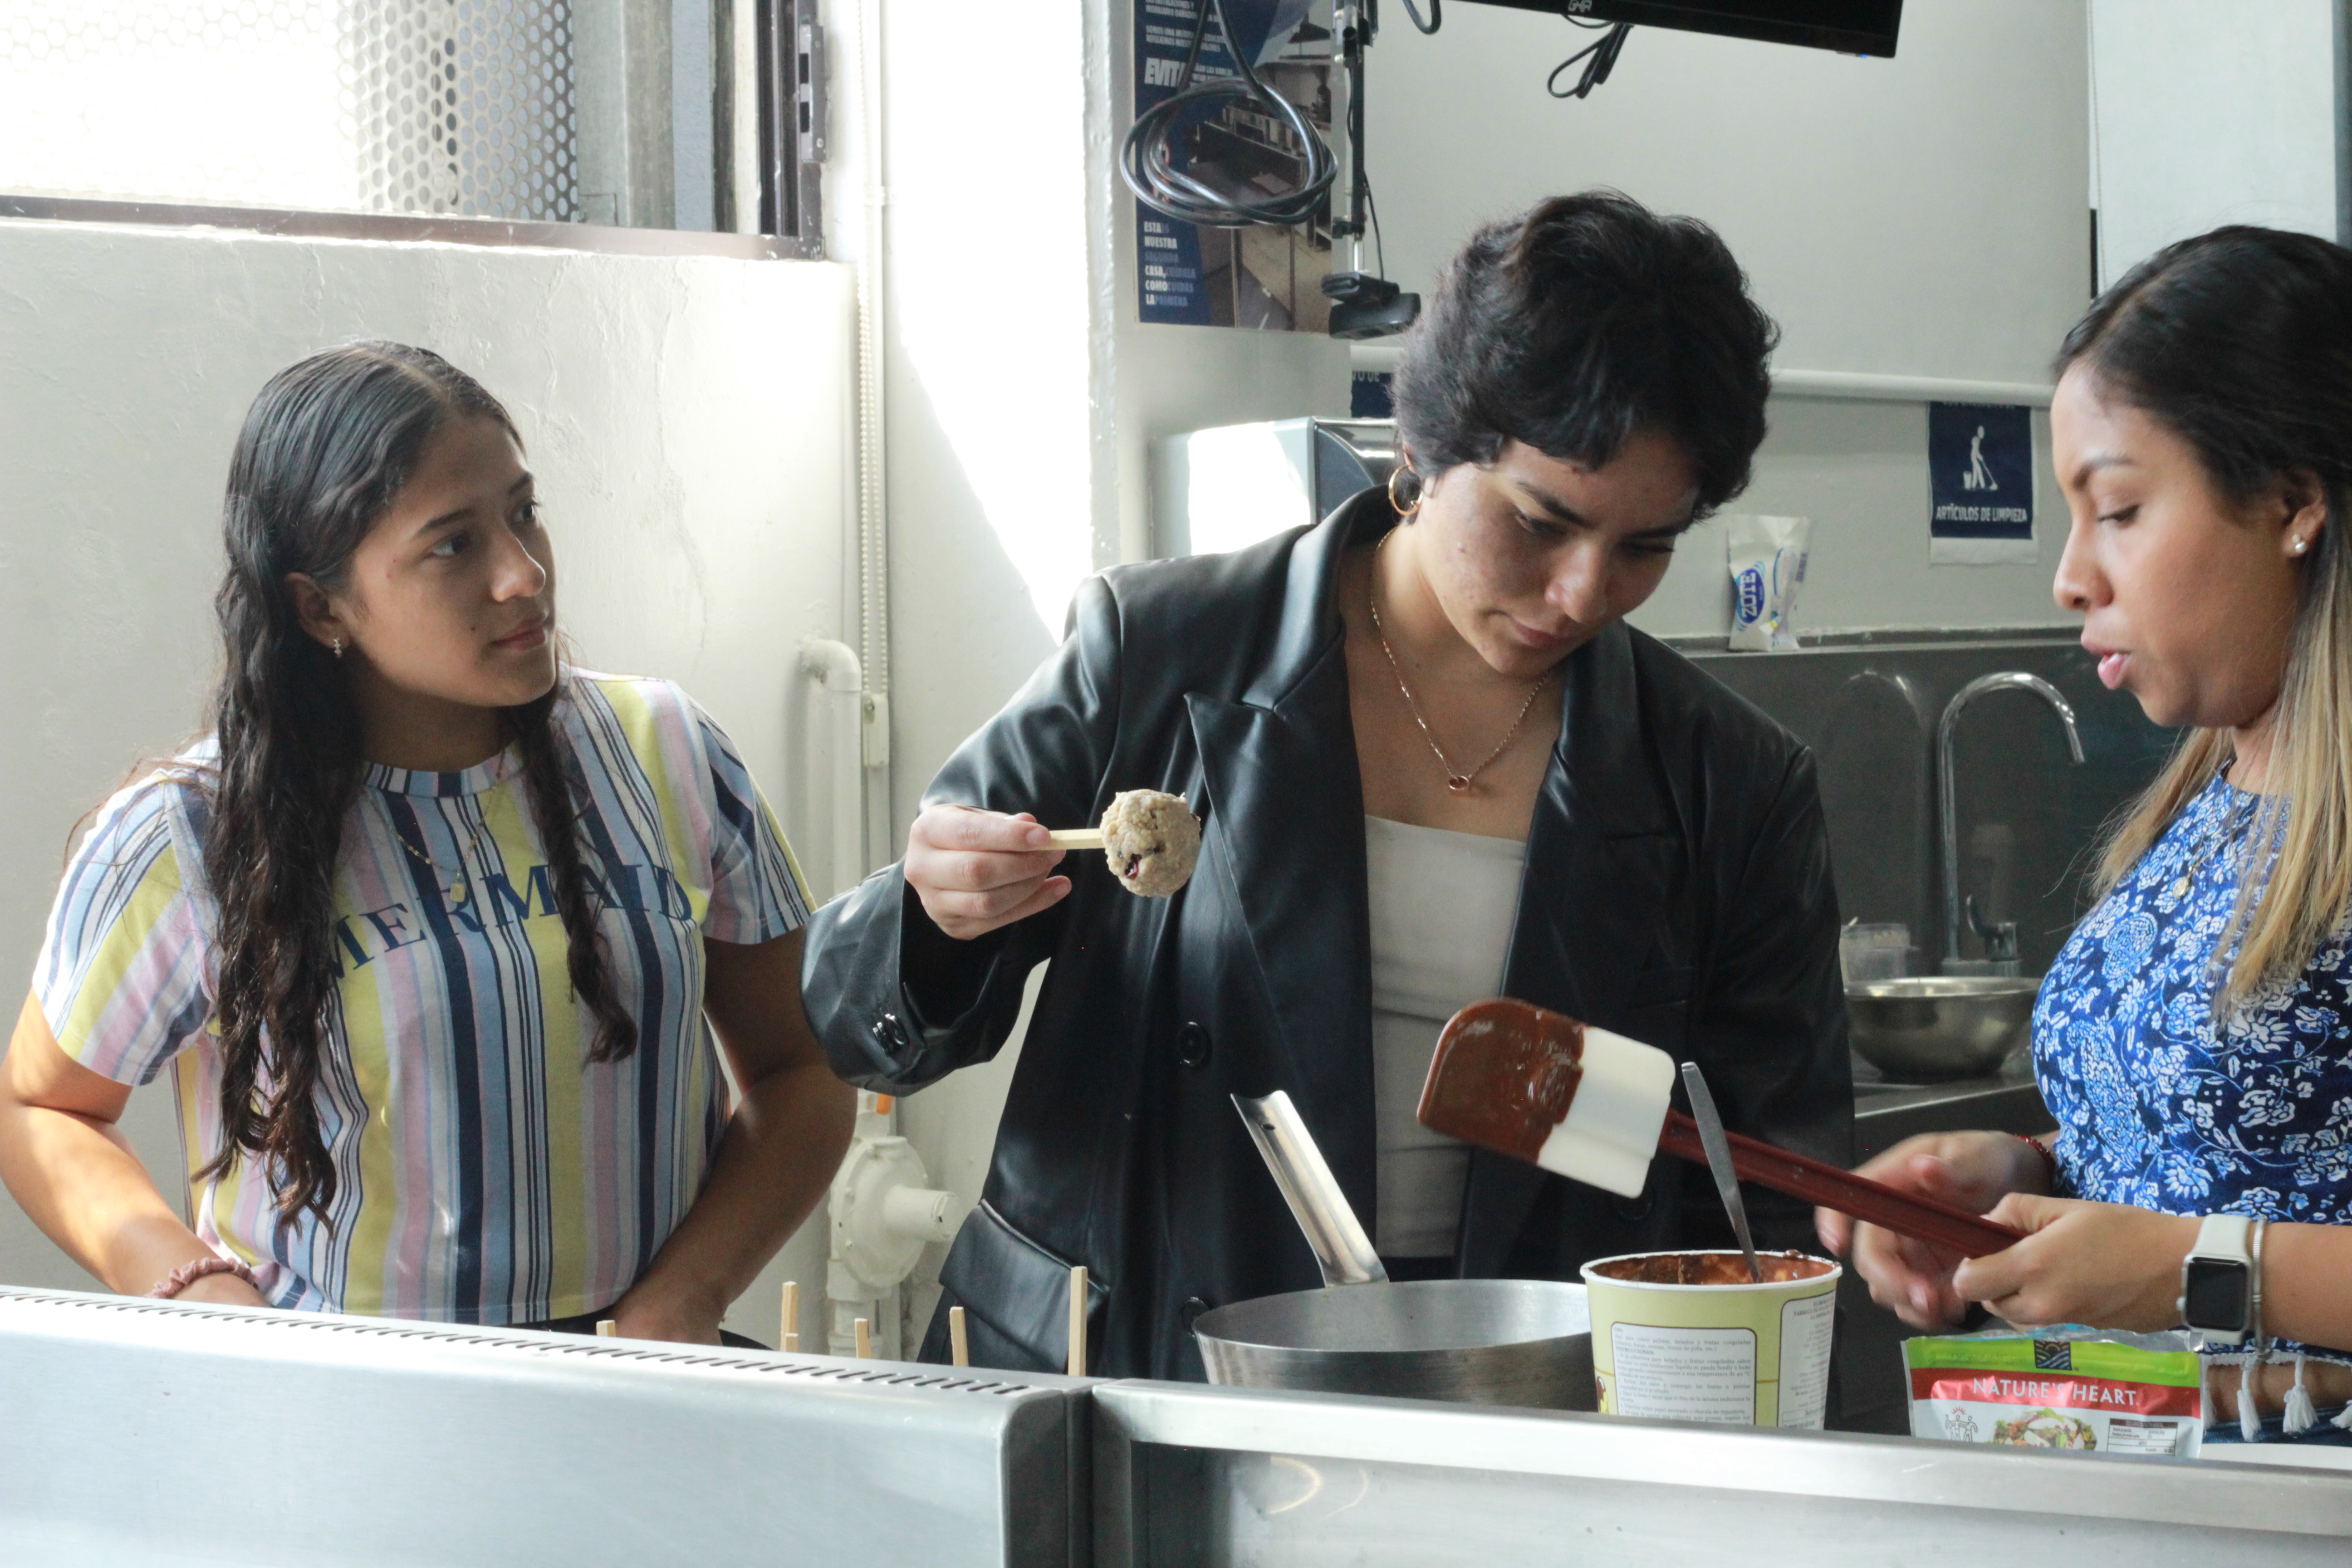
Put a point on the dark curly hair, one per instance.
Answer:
(325, 450)
(1578, 322)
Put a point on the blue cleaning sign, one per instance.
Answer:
(1980, 468)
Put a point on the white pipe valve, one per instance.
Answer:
(885, 1212)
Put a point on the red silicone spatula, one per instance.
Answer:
(1541, 1087)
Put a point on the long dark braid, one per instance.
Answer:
(325, 450)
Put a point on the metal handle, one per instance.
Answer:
(1341, 1248)
(1718, 1162)
(2000, 937)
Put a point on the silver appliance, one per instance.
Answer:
(1229, 487)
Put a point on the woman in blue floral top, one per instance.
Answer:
(2194, 1039)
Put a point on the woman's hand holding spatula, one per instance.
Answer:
(1582, 1102)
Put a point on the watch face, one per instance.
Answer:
(2213, 1295)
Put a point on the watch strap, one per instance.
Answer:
(2225, 1238)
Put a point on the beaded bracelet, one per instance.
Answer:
(2048, 1160)
(188, 1273)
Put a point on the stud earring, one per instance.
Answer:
(2301, 545)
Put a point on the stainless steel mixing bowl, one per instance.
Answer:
(1932, 1027)
(1484, 1341)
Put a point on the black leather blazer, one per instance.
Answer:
(1678, 890)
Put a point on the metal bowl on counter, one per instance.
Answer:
(1929, 1028)
(1484, 1341)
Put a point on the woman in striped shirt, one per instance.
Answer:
(428, 930)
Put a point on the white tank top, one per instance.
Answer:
(1442, 905)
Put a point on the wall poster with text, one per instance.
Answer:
(1263, 277)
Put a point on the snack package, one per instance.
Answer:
(2059, 1388)
(1767, 557)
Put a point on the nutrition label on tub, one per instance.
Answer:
(1685, 1374)
(1806, 1328)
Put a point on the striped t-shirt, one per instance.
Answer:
(487, 1172)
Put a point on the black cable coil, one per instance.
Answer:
(1148, 159)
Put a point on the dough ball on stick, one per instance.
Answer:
(1152, 839)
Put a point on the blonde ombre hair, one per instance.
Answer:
(2239, 341)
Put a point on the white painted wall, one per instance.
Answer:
(2211, 111)
(1919, 216)
(1023, 395)
(1922, 215)
(1859, 471)
(685, 415)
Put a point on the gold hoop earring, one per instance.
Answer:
(1402, 507)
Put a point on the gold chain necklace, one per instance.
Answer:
(1455, 783)
(457, 878)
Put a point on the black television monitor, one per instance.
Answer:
(1849, 26)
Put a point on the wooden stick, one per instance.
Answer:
(1076, 837)
(958, 1342)
(790, 1338)
(865, 1340)
(1079, 1321)
(606, 1329)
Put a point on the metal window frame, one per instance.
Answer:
(792, 119)
(789, 149)
(289, 222)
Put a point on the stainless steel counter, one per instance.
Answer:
(1215, 1476)
(1886, 1113)
(138, 1433)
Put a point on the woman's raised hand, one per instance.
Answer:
(1973, 1170)
(978, 870)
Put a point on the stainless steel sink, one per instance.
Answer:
(1932, 1027)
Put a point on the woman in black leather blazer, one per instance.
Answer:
(1590, 379)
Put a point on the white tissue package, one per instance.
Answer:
(1767, 557)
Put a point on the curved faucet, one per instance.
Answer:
(2005, 681)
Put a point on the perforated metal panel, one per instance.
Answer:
(400, 106)
(463, 106)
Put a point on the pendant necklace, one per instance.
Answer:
(1456, 783)
(458, 888)
(2226, 833)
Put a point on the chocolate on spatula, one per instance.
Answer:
(1540, 1087)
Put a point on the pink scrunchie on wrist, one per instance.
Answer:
(188, 1273)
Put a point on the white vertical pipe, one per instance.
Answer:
(873, 537)
(834, 726)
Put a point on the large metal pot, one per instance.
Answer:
(1483, 1342)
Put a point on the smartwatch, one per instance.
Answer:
(2220, 1286)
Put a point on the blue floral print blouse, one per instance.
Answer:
(2159, 1106)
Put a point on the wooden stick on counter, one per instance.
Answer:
(790, 1340)
(606, 1328)
(865, 1340)
(959, 1346)
(1079, 1321)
